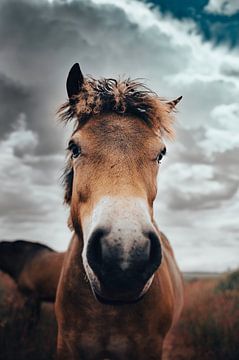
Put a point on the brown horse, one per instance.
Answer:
(120, 289)
(34, 267)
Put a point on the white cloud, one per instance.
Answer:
(21, 139)
(223, 133)
(223, 7)
(30, 208)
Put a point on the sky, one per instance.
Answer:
(187, 48)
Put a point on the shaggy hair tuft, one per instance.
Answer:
(122, 97)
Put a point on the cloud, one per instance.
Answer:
(222, 7)
(27, 198)
(214, 27)
(40, 40)
(11, 93)
(223, 134)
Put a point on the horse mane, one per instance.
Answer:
(124, 97)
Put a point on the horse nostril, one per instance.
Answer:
(155, 256)
(108, 261)
(94, 249)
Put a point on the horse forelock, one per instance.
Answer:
(123, 97)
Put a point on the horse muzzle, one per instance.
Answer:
(123, 273)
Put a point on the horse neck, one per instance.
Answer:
(10, 265)
(73, 263)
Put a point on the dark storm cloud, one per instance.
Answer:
(38, 44)
(30, 38)
(14, 99)
(25, 208)
(223, 181)
(193, 151)
(196, 201)
(40, 41)
(46, 170)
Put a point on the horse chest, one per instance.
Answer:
(108, 346)
(114, 336)
(117, 347)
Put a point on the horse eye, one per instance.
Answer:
(75, 150)
(161, 155)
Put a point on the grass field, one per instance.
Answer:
(208, 329)
(209, 325)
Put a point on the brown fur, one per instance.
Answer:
(125, 97)
(89, 330)
(35, 267)
(120, 130)
(108, 152)
(41, 275)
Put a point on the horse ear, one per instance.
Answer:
(173, 103)
(74, 81)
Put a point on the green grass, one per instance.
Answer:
(229, 282)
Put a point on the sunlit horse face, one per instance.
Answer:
(112, 184)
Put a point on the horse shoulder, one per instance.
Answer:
(41, 274)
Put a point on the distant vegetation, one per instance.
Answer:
(209, 326)
(208, 329)
(229, 282)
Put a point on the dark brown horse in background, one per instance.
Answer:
(120, 290)
(34, 267)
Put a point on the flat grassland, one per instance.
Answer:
(209, 325)
(208, 329)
